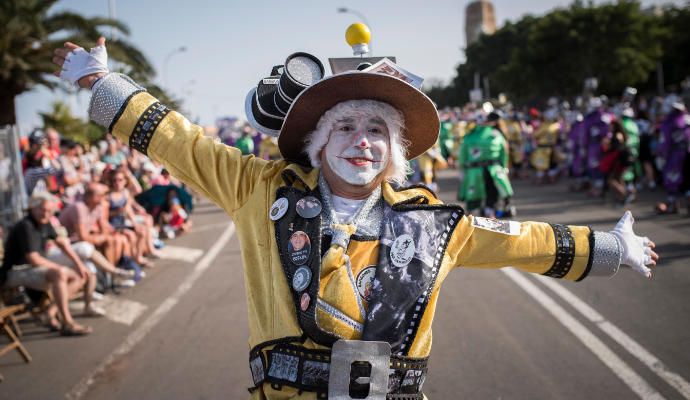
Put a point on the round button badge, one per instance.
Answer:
(402, 250)
(301, 279)
(299, 248)
(278, 209)
(308, 207)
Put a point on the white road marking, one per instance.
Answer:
(180, 253)
(634, 381)
(149, 323)
(117, 309)
(628, 343)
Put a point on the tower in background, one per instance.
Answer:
(479, 18)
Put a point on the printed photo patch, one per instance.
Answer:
(315, 373)
(283, 366)
(495, 225)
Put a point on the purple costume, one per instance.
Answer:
(578, 145)
(673, 149)
(596, 128)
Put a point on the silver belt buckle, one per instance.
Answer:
(346, 352)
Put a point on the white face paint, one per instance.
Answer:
(357, 149)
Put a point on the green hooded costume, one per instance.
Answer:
(483, 148)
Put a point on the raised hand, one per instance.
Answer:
(637, 251)
(80, 67)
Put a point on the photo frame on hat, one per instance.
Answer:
(340, 65)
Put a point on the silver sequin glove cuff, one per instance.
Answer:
(110, 93)
(606, 255)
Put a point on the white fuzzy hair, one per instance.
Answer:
(398, 169)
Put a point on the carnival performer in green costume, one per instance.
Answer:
(632, 132)
(483, 161)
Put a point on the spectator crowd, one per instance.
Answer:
(96, 218)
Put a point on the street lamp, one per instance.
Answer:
(345, 10)
(180, 49)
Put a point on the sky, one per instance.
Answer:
(230, 45)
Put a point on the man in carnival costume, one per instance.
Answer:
(483, 160)
(352, 316)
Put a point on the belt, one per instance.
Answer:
(308, 370)
(479, 164)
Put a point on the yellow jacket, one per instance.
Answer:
(245, 187)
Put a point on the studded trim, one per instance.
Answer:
(146, 126)
(607, 255)
(565, 251)
(423, 300)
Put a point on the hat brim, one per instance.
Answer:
(421, 117)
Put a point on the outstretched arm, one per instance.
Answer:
(137, 118)
(559, 251)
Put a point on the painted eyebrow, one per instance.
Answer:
(377, 121)
(345, 120)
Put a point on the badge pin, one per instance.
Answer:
(308, 207)
(299, 248)
(278, 209)
(301, 279)
(304, 301)
(402, 250)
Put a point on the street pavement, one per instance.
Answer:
(499, 334)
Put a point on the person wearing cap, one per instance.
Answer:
(28, 263)
(354, 315)
(484, 162)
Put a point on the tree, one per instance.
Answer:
(28, 35)
(61, 119)
(551, 55)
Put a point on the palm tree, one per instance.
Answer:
(28, 36)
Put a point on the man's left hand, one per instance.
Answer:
(637, 252)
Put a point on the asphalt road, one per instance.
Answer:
(182, 333)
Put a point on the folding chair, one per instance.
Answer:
(6, 318)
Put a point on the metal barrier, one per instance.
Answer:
(13, 199)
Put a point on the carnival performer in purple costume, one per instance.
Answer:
(597, 127)
(672, 157)
(577, 141)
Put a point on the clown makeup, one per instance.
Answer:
(358, 148)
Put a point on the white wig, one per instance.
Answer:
(398, 169)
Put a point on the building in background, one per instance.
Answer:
(479, 18)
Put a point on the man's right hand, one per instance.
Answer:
(79, 67)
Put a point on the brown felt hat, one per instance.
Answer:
(421, 117)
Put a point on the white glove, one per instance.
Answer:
(636, 251)
(79, 63)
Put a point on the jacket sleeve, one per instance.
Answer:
(559, 251)
(218, 171)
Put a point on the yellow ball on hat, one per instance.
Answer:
(358, 37)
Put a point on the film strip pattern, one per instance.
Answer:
(565, 251)
(423, 300)
(148, 122)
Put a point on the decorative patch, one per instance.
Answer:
(308, 207)
(402, 250)
(299, 248)
(278, 209)
(304, 301)
(283, 366)
(301, 279)
(495, 225)
(365, 281)
(257, 367)
(315, 373)
(146, 126)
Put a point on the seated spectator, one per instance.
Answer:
(86, 221)
(113, 155)
(175, 220)
(26, 263)
(72, 180)
(125, 221)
